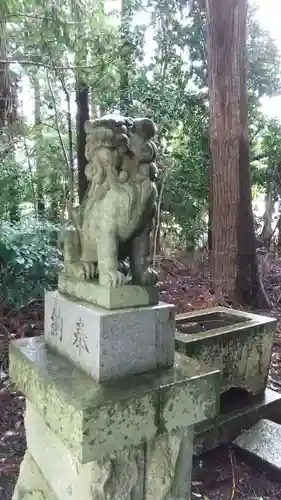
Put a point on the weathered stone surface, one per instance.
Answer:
(110, 344)
(95, 420)
(242, 351)
(160, 469)
(262, 441)
(78, 481)
(222, 429)
(115, 218)
(31, 484)
(169, 466)
(110, 298)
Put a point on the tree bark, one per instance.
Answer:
(4, 72)
(125, 55)
(210, 202)
(82, 115)
(266, 233)
(279, 232)
(82, 103)
(234, 261)
(40, 202)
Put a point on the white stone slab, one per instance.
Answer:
(110, 344)
(263, 441)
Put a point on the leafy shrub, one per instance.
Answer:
(29, 260)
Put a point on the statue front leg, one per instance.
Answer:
(142, 274)
(72, 254)
(108, 264)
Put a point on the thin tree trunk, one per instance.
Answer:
(266, 233)
(13, 187)
(40, 203)
(82, 106)
(95, 110)
(210, 202)
(82, 115)
(234, 261)
(279, 232)
(4, 71)
(125, 55)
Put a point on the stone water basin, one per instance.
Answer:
(238, 343)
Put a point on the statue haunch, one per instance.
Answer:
(116, 216)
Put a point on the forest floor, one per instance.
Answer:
(223, 475)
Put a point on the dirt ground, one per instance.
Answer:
(219, 475)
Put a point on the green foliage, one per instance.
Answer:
(270, 144)
(264, 62)
(29, 261)
(11, 184)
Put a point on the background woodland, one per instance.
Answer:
(63, 62)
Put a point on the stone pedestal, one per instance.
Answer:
(110, 343)
(108, 298)
(111, 408)
(130, 438)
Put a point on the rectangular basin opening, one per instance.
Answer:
(236, 398)
(209, 321)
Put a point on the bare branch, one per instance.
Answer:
(68, 158)
(158, 217)
(45, 65)
(57, 121)
(8, 17)
(69, 129)
(29, 167)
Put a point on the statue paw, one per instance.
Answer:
(82, 270)
(149, 277)
(112, 279)
(90, 270)
(75, 270)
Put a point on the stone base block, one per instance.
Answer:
(237, 343)
(262, 444)
(225, 427)
(94, 420)
(110, 344)
(31, 484)
(159, 469)
(109, 298)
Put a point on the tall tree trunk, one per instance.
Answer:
(234, 261)
(4, 71)
(82, 104)
(210, 203)
(82, 115)
(40, 202)
(266, 233)
(95, 108)
(7, 116)
(279, 231)
(13, 187)
(125, 55)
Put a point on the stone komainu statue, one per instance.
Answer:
(116, 216)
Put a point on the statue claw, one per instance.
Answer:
(149, 277)
(89, 270)
(112, 279)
